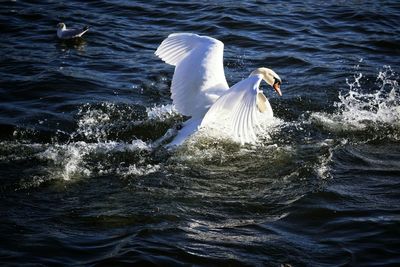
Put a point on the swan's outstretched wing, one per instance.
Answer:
(199, 77)
(239, 109)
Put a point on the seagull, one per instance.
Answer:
(64, 33)
(199, 89)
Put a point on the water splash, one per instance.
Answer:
(74, 160)
(136, 170)
(362, 109)
(92, 122)
(104, 121)
(162, 112)
(95, 147)
(67, 160)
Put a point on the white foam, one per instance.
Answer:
(221, 132)
(69, 159)
(93, 121)
(162, 112)
(136, 170)
(360, 108)
(323, 169)
(268, 127)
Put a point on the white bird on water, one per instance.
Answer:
(199, 89)
(64, 33)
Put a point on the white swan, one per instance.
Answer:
(64, 33)
(199, 89)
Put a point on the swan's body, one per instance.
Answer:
(64, 33)
(199, 89)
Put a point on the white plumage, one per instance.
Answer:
(237, 110)
(199, 89)
(64, 33)
(199, 77)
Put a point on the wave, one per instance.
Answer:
(162, 112)
(122, 140)
(109, 139)
(75, 160)
(371, 111)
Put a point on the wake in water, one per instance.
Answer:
(366, 111)
(104, 143)
(124, 140)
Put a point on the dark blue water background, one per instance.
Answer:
(84, 184)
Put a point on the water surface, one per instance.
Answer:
(84, 183)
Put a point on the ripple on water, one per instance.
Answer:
(85, 177)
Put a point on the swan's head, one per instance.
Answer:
(61, 26)
(270, 77)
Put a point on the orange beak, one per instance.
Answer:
(277, 88)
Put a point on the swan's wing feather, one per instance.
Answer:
(237, 112)
(199, 77)
(177, 46)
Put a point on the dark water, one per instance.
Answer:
(84, 184)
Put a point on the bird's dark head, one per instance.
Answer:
(61, 25)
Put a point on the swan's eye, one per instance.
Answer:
(277, 81)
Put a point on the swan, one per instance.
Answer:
(64, 33)
(199, 89)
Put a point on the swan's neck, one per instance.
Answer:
(256, 72)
